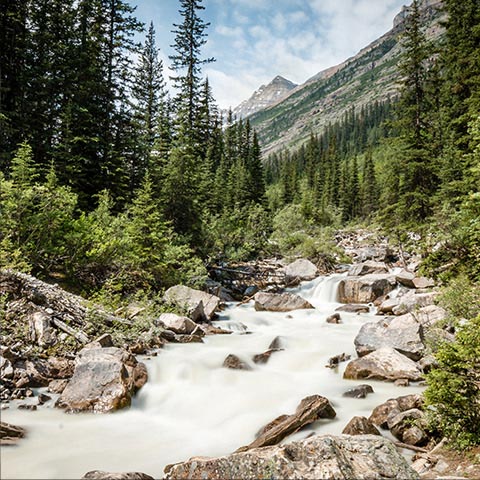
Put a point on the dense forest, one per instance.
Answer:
(110, 184)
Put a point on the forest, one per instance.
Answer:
(112, 185)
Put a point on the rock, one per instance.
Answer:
(422, 282)
(104, 380)
(335, 318)
(300, 270)
(104, 341)
(27, 406)
(353, 308)
(405, 278)
(383, 364)
(233, 362)
(388, 305)
(276, 344)
(199, 306)
(408, 426)
(6, 368)
(413, 301)
(10, 434)
(392, 407)
(364, 289)
(429, 316)
(360, 391)
(57, 386)
(188, 339)
(378, 253)
(427, 363)
(309, 410)
(40, 329)
(60, 368)
(402, 382)
(42, 398)
(279, 302)
(367, 268)
(99, 475)
(404, 334)
(333, 362)
(211, 330)
(250, 291)
(360, 426)
(176, 323)
(319, 457)
(265, 356)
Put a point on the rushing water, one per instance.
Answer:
(192, 406)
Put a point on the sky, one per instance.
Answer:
(255, 40)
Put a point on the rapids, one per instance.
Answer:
(193, 406)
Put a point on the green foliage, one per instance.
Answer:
(453, 392)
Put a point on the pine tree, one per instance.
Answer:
(190, 36)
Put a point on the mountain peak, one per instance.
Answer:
(265, 96)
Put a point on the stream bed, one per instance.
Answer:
(193, 406)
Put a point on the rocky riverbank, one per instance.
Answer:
(86, 358)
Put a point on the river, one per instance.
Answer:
(193, 406)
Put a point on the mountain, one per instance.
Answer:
(371, 75)
(265, 96)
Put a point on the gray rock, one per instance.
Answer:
(405, 278)
(280, 302)
(353, 308)
(235, 363)
(176, 323)
(365, 289)
(378, 253)
(367, 268)
(57, 386)
(402, 426)
(300, 270)
(199, 306)
(316, 458)
(360, 391)
(430, 316)
(99, 475)
(335, 318)
(104, 380)
(383, 364)
(334, 361)
(360, 426)
(422, 282)
(309, 410)
(41, 330)
(6, 368)
(382, 413)
(404, 334)
(413, 301)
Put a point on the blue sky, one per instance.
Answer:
(255, 40)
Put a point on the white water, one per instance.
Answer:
(192, 406)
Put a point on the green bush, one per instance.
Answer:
(453, 392)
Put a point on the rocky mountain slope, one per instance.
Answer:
(369, 76)
(265, 96)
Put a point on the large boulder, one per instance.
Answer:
(279, 302)
(99, 475)
(367, 268)
(365, 289)
(199, 306)
(309, 410)
(10, 434)
(409, 426)
(300, 270)
(104, 380)
(318, 457)
(383, 364)
(176, 323)
(404, 334)
(412, 301)
(389, 409)
(429, 316)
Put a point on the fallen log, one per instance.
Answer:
(78, 335)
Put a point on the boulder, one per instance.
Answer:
(365, 289)
(279, 302)
(308, 411)
(57, 386)
(422, 282)
(233, 362)
(392, 407)
(404, 334)
(300, 270)
(412, 301)
(405, 278)
(409, 426)
(377, 253)
(383, 364)
(103, 341)
(334, 361)
(360, 426)
(199, 306)
(41, 330)
(265, 356)
(335, 318)
(430, 315)
(315, 458)
(360, 391)
(276, 344)
(6, 368)
(104, 380)
(353, 308)
(99, 475)
(176, 323)
(10, 434)
(367, 268)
